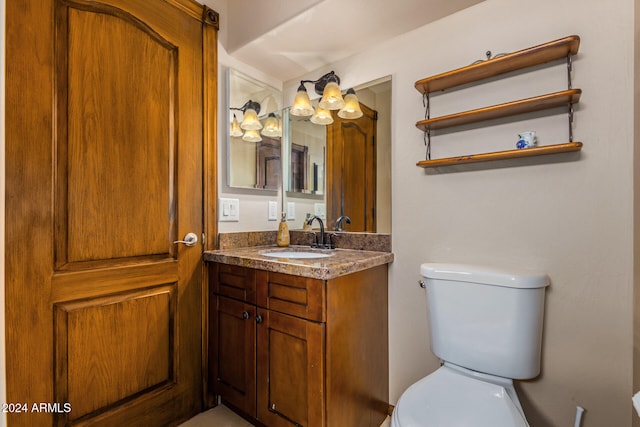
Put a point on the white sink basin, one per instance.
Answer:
(296, 254)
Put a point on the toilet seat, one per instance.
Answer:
(449, 398)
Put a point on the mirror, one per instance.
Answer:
(338, 169)
(253, 155)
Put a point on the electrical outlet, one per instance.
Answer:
(273, 211)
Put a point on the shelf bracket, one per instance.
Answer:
(569, 85)
(570, 122)
(427, 115)
(569, 70)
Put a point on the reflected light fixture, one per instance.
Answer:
(250, 122)
(251, 135)
(272, 126)
(235, 127)
(329, 87)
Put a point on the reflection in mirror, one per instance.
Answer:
(306, 151)
(255, 133)
(354, 175)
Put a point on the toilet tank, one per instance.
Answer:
(485, 319)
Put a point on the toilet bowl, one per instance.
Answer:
(486, 328)
(451, 398)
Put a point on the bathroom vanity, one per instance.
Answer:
(299, 342)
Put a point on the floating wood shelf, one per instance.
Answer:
(536, 55)
(537, 103)
(502, 155)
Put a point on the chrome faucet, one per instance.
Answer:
(339, 222)
(320, 244)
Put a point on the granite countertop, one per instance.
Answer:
(341, 261)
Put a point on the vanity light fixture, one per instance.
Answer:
(322, 116)
(329, 87)
(351, 109)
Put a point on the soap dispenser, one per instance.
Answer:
(283, 232)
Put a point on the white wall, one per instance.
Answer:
(570, 216)
(254, 205)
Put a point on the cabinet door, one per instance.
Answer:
(290, 371)
(232, 355)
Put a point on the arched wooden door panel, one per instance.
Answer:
(105, 147)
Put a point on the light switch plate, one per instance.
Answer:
(320, 210)
(291, 210)
(273, 211)
(229, 209)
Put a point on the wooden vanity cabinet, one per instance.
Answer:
(320, 352)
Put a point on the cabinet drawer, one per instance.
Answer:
(233, 281)
(298, 296)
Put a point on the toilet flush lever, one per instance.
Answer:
(422, 284)
(189, 240)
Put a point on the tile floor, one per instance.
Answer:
(221, 416)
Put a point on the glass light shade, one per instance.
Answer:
(250, 121)
(272, 127)
(302, 104)
(351, 109)
(331, 97)
(252, 135)
(235, 127)
(322, 117)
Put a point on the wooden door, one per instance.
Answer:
(268, 164)
(290, 371)
(233, 352)
(105, 144)
(351, 171)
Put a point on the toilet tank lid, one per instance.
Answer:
(512, 278)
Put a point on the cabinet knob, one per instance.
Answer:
(258, 319)
(245, 315)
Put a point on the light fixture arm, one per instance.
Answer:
(255, 106)
(321, 82)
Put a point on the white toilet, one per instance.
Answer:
(486, 327)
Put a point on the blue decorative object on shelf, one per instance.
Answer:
(527, 140)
